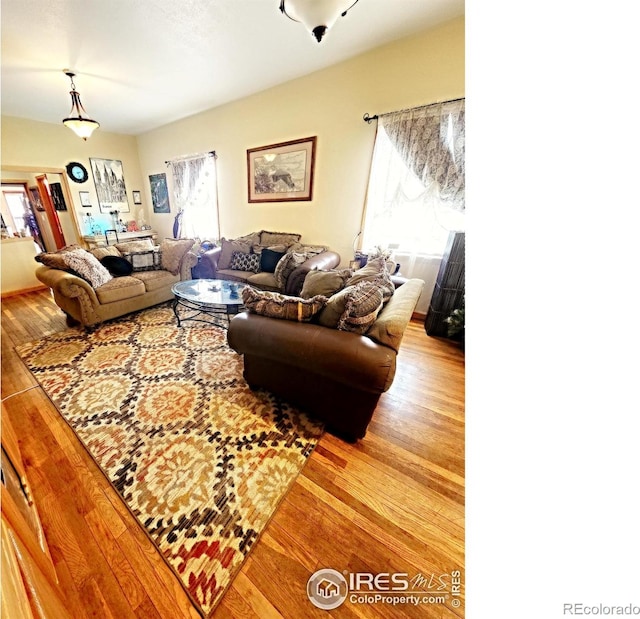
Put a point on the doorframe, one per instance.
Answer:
(66, 190)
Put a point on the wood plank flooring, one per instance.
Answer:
(393, 502)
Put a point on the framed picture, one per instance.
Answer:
(281, 172)
(85, 199)
(57, 197)
(36, 200)
(137, 198)
(108, 177)
(159, 193)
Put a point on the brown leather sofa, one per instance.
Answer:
(321, 258)
(336, 376)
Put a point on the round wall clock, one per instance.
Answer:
(77, 172)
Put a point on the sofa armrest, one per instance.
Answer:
(210, 259)
(320, 262)
(344, 357)
(66, 284)
(189, 260)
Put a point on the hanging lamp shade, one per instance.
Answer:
(81, 125)
(318, 16)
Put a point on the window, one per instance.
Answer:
(196, 194)
(416, 186)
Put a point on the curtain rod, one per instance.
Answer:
(368, 118)
(211, 153)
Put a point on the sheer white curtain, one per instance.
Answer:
(195, 187)
(416, 188)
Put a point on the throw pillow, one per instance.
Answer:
(245, 262)
(101, 252)
(287, 265)
(117, 266)
(173, 251)
(276, 305)
(364, 302)
(87, 266)
(226, 252)
(376, 271)
(269, 259)
(309, 249)
(54, 259)
(332, 312)
(278, 238)
(325, 283)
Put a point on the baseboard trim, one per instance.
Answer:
(418, 316)
(15, 293)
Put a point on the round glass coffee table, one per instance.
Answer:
(213, 301)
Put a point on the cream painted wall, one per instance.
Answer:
(35, 144)
(330, 104)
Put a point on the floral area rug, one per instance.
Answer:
(201, 461)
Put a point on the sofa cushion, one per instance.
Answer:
(265, 281)
(234, 276)
(116, 265)
(244, 262)
(119, 289)
(226, 252)
(153, 280)
(278, 238)
(332, 312)
(276, 305)
(269, 257)
(101, 252)
(87, 266)
(308, 249)
(134, 246)
(173, 251)
(325, 283)
(286, 265)
(363, 303)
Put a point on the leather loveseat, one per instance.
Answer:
(337, 376)
(275, 261)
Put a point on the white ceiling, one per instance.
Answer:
(143, 63)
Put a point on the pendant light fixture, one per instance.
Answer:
(82, 126)
(316, 15)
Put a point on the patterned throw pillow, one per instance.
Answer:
(287, 265)
(276, 305)
(227, 249)
(245, 262)
(87, 266)
(377, 271)
(363, 305)
(173, 251)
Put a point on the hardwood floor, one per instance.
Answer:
(393, 502)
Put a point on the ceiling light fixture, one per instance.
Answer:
(82, 126)
(317, 15)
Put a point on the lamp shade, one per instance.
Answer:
(318, 16)
(82, 126)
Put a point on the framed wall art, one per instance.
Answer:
(34, 195)
(281, 172)
(159, 193)
(85, 198)
(108, 177)
(57, 196)
(137, 197)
